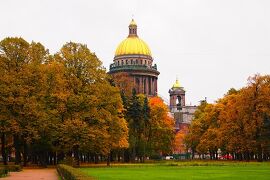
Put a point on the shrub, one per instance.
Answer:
(69, 173)
(156, 157)
(11, 168)
(70, 161)
(3, 172)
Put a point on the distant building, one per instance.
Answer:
(182, 113)
(133, 59)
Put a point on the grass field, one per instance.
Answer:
(178, 170)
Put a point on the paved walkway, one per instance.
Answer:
(33, 174)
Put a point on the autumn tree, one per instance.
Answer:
(92, 99)
(57, 105)
(161, 129)
(197, 128)
(21, 91)
(237, 124)
(179, 144)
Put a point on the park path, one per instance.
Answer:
(33, 174)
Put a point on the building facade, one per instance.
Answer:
(182, 113)
(134, 59)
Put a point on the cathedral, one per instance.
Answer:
(133, 59)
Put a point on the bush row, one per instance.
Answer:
(11, 168)
(4, 169)
(69, 173)
(3, 172)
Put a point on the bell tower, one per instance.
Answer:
(177, 97)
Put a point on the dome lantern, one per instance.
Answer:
(132, 29)
(176, 84)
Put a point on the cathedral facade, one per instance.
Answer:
(133, 58)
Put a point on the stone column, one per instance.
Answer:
(144, 85)
(153, 85)
(156, 92)
(150, 85)
(140, 86)
(147, 85)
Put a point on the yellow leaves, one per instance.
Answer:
(66, 95)
(235, 122)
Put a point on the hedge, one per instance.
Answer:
(3, 172)
(11, 168)
(69, 173)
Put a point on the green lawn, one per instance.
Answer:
(249, 171)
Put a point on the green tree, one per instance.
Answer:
(135, 124)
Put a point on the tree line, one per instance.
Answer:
(237, 124)
(64, 105)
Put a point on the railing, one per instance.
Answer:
(113, 67)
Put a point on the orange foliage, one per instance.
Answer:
(238, 123)
(162, 126)
(179, 146)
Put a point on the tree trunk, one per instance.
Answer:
(54, 158)
(25, 154)
(118, 156)
(17, 149)
(193, 153)
(133, 154)
(96, 159)
(76, 156)
(109, 159)
(259, 153)
(3, 148)
(126, 155)
(60, 156)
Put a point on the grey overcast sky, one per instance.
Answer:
(211, 45)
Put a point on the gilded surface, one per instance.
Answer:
(176, 84)
(132, 45)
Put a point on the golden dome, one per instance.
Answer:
(132, 44)
(176, 84)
